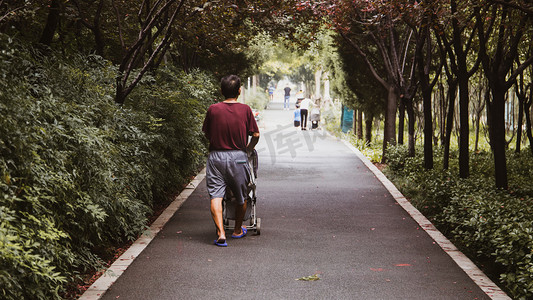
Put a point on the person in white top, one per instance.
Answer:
(304, 108)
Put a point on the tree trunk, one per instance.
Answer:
(342, 117)
(120, 95)
(369, 118)
(97, 31)
(478, 122)
(318, 76)
(452, 90)
(389, 136)
(326, 95)
(527, 107)
(423, 67)
(442, 115)
(497, 127)
(52, 22)
(254, 84)
(401, 120)
(95, 27)
(360, 124)
(428, 124)
(464, 127)
(410, 126)
(479, 111)
(521, 93)
(520, 121)
(354, 122)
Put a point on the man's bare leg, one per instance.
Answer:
(216, 213)
(240, 210)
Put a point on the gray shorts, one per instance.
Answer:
(228, 169)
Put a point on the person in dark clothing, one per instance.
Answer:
(287, 98)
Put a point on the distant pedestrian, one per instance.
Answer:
(299, 96)
(227, 125)
(304, 108)
(287, 98)
(297, 116)
(271, 90)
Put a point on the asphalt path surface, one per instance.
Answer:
(323, 214)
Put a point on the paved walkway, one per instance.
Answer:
(324, 212)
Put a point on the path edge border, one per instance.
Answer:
(111, 275)
(484, 282)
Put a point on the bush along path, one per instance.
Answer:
(79, 175)
(493, 227)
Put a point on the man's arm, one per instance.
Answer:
(253, 141)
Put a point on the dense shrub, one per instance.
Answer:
(494, 227)
(257, 100)
(177, 106)
(78, 174)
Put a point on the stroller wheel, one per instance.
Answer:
(258, 227)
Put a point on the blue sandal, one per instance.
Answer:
(244, 231)
(221, 243)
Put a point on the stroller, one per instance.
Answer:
(229, 201)
(315, 118)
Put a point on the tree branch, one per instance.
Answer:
(368, 63)
(11, 11)
(160, 50)
(120, 35)
(527, 10)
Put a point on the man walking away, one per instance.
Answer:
(287, 98)
(227, 125)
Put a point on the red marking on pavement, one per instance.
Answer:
(403, 265)
(377, 269)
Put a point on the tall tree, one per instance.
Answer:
(500, 32)
(424, 55)
(383, 42)
(458, 47)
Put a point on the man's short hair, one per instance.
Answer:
(230, 86)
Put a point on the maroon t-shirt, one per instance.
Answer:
(228, 125)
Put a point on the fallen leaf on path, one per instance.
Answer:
(309, 278)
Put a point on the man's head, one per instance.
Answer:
(230, 86)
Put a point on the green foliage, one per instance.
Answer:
(177, 103)
(372, 151)
(78, 174)
(492, 226)
(332, 117)
(258, 100)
